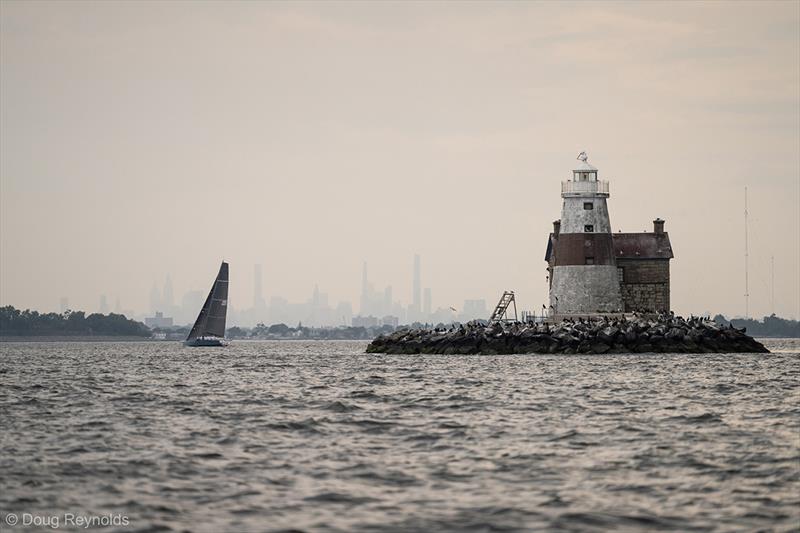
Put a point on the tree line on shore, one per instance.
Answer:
(27, 323)
(770, 326)
(282, 331)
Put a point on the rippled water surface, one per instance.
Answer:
(318, 436)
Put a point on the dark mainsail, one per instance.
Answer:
(211, 320)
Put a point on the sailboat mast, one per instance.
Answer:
(746, 262)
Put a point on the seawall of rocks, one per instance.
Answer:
(640, 334)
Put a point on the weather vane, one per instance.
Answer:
(583, 157)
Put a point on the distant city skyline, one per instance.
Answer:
(377, 305)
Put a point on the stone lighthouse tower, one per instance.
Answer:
(583, 271)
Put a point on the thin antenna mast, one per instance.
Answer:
(746, 261)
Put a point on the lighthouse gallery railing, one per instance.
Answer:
(596, 187)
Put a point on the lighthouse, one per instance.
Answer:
(583, 272)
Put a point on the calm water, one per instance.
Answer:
(318, 436)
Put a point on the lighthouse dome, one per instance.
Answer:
(583, 166)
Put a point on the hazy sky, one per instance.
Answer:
(145, 138)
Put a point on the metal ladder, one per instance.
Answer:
(500, 312)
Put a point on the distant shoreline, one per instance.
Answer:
(75, 338)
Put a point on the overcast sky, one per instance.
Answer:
(145, 138)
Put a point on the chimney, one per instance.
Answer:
(658, 226)
(556, 227)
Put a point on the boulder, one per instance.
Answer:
(600, 347)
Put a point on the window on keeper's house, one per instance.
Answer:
(590, 260)
(621, 274)
(588, 228)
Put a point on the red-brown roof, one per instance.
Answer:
(642, 246)
(632, 246)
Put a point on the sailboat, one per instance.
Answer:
(209, 328)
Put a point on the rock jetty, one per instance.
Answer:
(639, 334)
